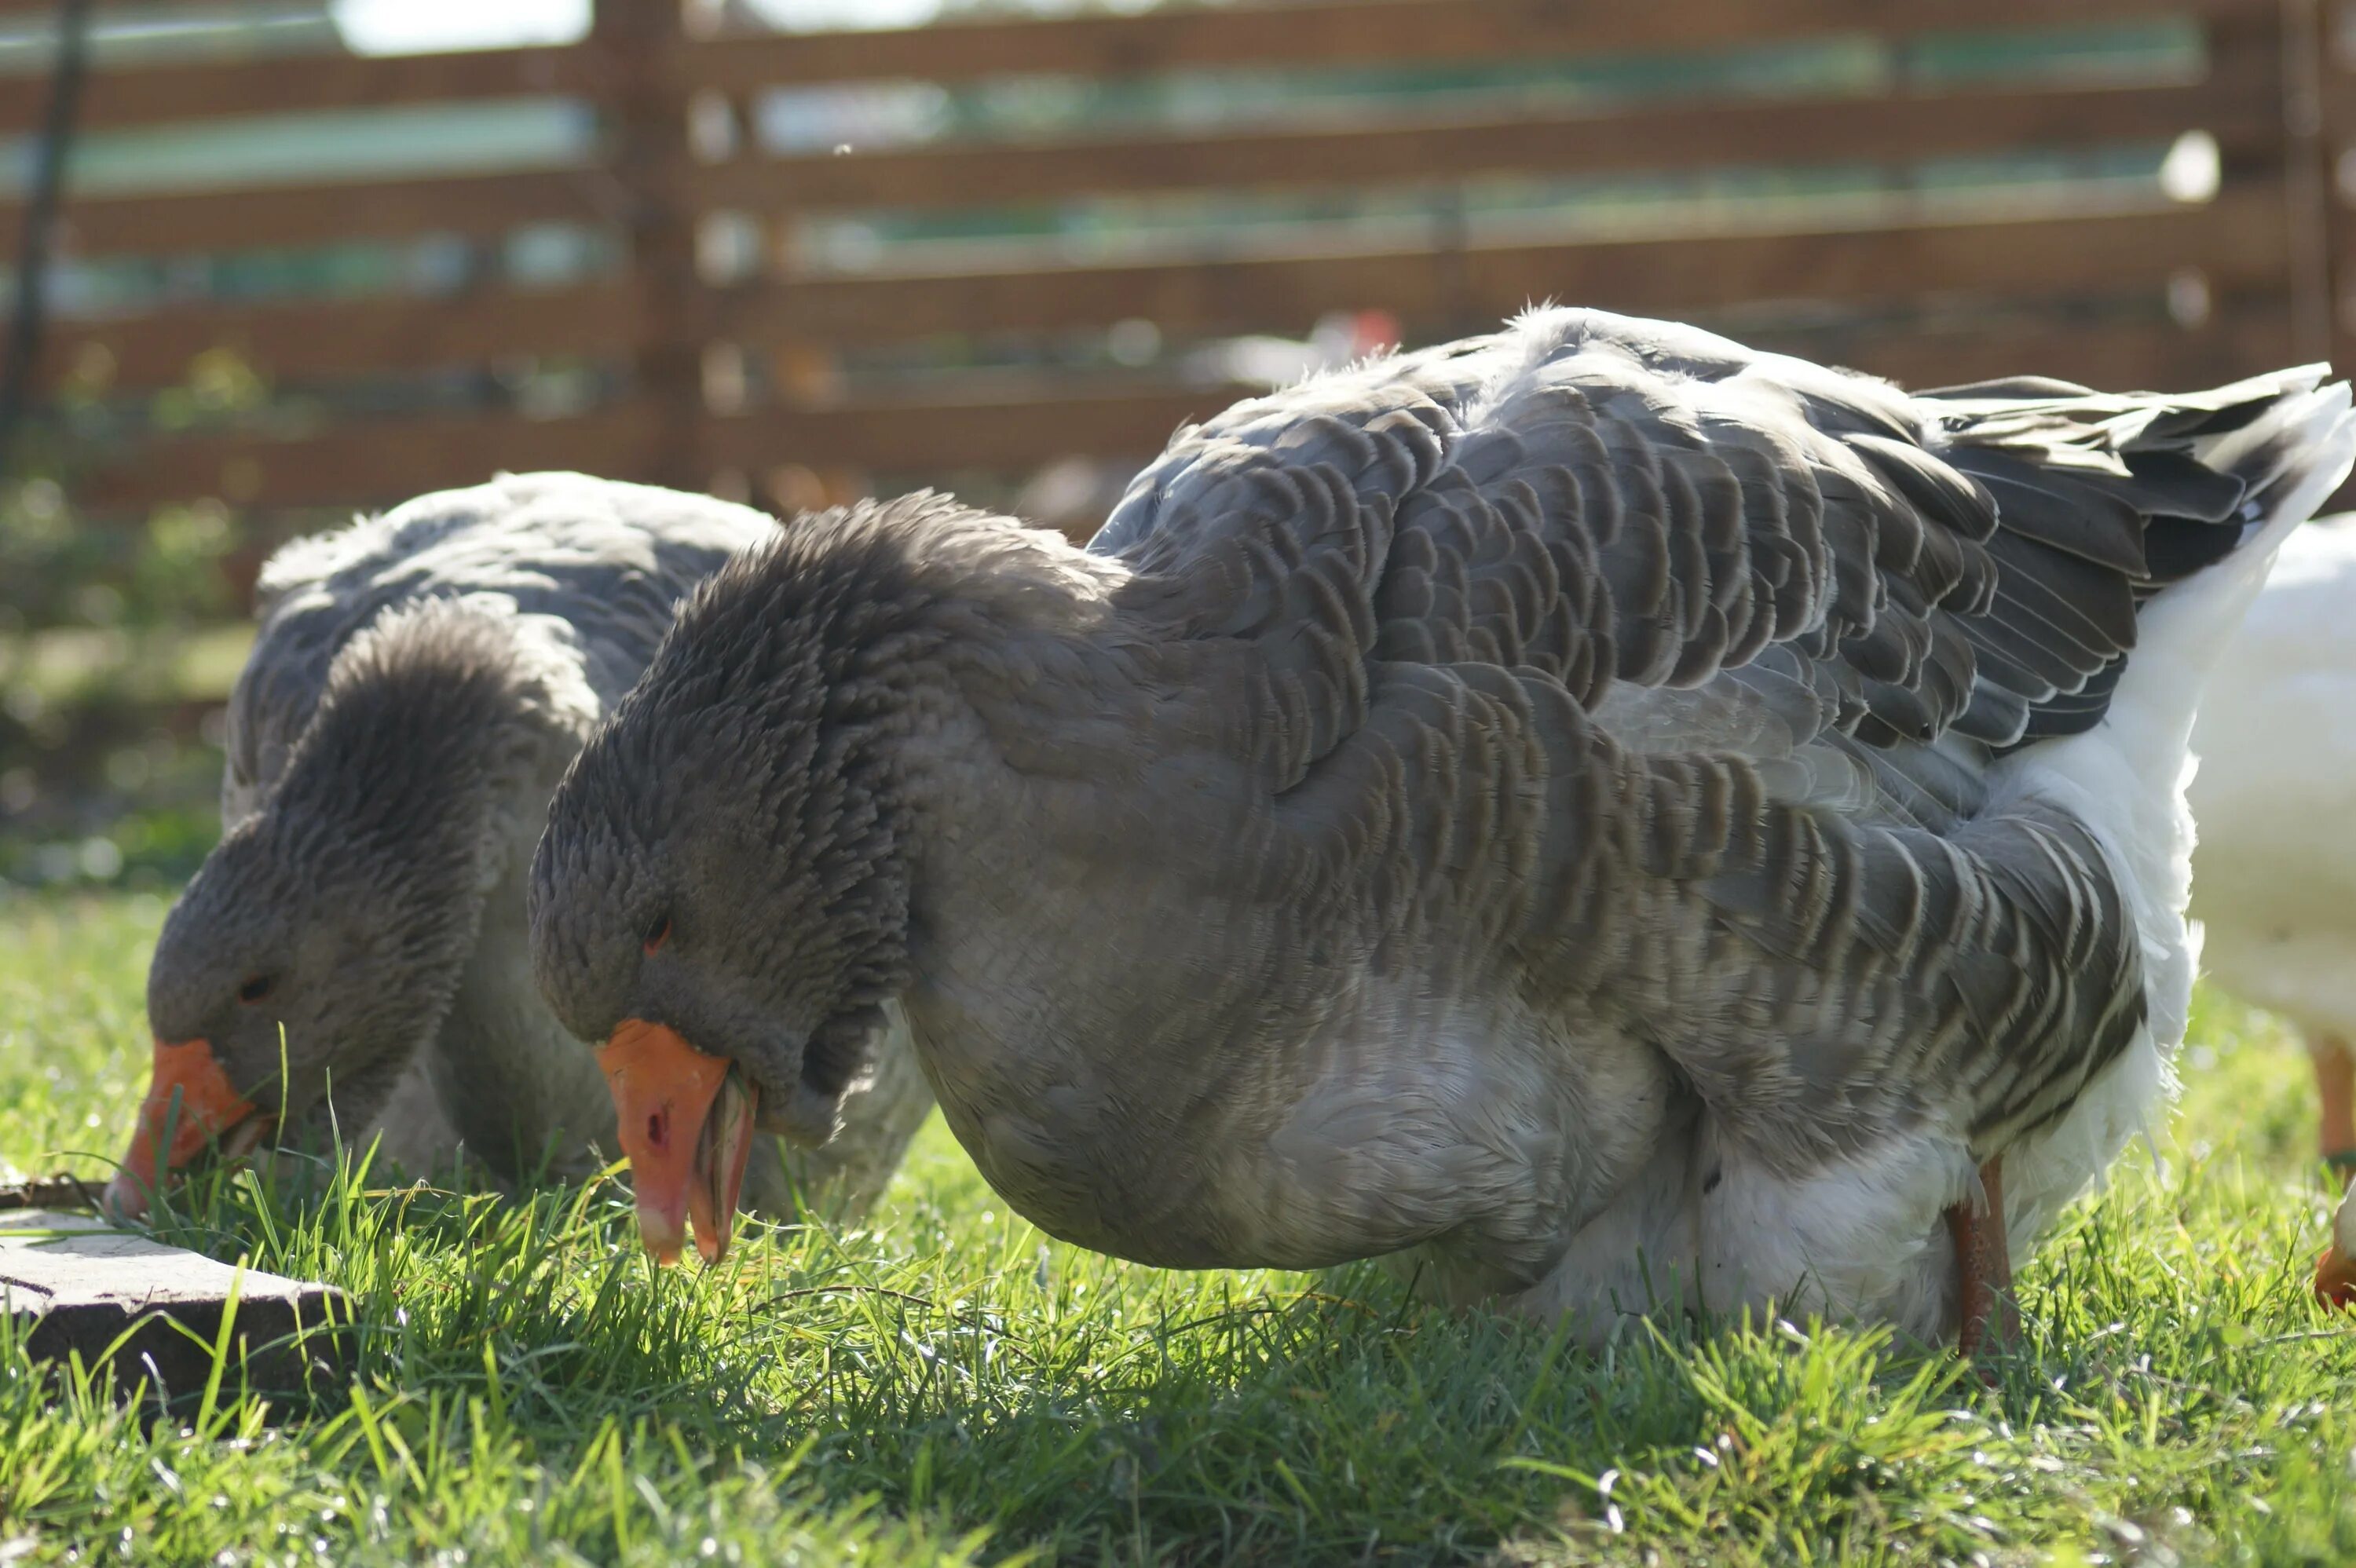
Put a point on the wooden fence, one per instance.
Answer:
(2149, 288)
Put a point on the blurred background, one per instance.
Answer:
(275, 260)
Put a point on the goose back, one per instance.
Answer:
(1692, 697)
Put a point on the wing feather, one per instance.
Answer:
(1680, 670)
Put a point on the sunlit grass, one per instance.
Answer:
(520, 1386)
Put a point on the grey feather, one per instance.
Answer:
(1463, 806)
(418, 684)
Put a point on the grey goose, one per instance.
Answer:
(417, 685)
(1609, 819)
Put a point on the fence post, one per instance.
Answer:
(648, 152)
(2307, 175)
(2336, 92)
(2319, 124)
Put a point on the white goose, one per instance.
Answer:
(1605, 817)
(352, 953)
(2274, 875)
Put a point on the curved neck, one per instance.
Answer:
(1098, 942)
(405, 803)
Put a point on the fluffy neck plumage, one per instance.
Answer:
(1104, 982)
(403, 806)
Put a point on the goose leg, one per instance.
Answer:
(1983, 1265)
(2335, 1085)
(2335, 1088)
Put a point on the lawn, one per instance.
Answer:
(946, 1385)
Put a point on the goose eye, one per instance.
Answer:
(256, 986)
(658, 933)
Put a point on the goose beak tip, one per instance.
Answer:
(2335, 1279)
(685, 1121)
(189, 1106)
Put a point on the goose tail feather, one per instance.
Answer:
(2126, 776)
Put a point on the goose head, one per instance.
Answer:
(720, 902)
(319, 944)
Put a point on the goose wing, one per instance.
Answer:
(1617, 665)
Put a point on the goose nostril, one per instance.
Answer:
(656, 1129)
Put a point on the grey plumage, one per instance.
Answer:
(1590, 808)
(419, 682)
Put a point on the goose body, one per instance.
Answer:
(1604, 818)
(2275, 795)
(417, 685)
(2275, 798)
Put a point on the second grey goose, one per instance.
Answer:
(419, 682)
(1607, 817)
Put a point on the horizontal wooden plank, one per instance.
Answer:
(1437, 293)
(2111, 356)
(385, 461)
(1358, 32)
(1014, 434)
(2239, 238)
(163, 94)
(24, 11)
(369, 463)
(2238, 241)
(1329, 32)
(1010, 435)
(2242, 115)
(261, 218)
(309, 340)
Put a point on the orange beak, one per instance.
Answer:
(2335, 1273)
(190, 1105)
(2335, 1279)
(687, 1125)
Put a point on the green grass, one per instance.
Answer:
(522, 1387)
